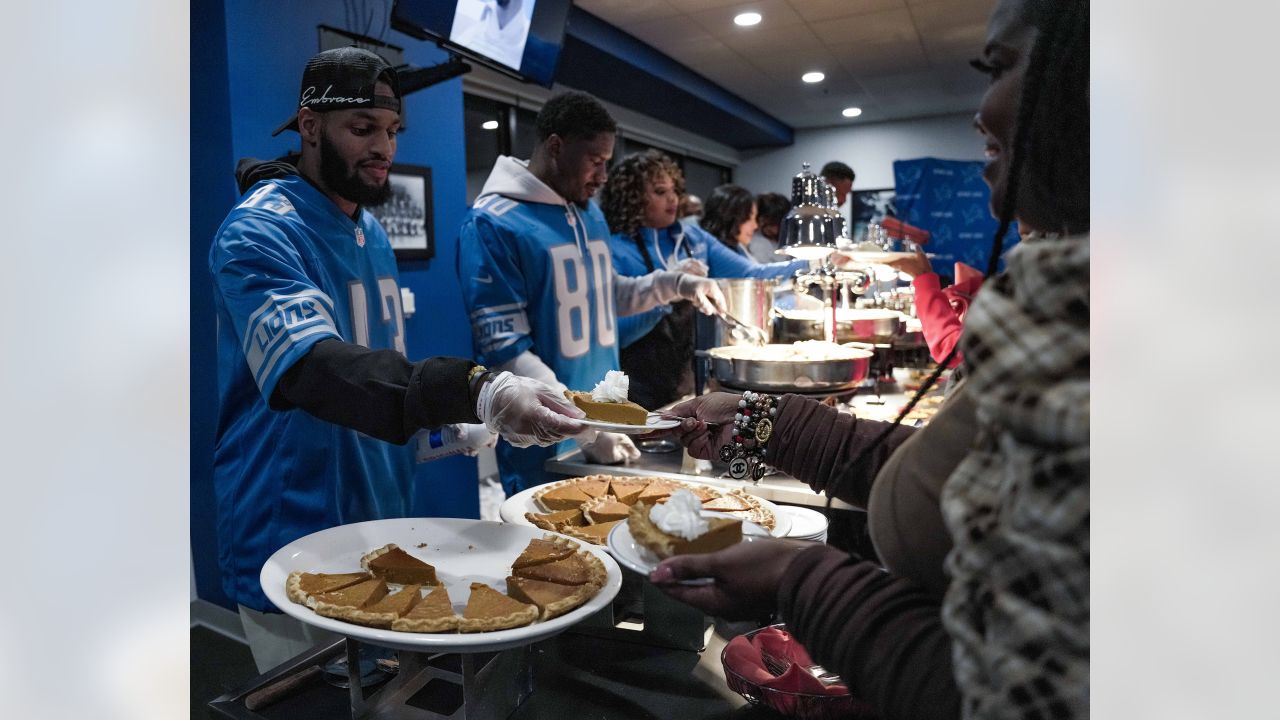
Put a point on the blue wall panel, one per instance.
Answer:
(247, 60)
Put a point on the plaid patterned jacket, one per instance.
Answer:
(1017, 507)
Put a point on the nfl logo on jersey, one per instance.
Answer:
(360, 237)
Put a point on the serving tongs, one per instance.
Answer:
(743, 332)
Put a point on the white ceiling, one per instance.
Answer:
(893, 58)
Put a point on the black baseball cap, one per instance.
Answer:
(344, 78)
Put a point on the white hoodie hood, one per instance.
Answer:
(511, 178)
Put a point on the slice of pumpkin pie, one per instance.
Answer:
(604, 509)
(543, 550)
(433, 614)
(343, 603)
(562, 497)
(394, 565)
(581, 568)
(552, 599)
(384, 612)
(303, 587)
(488, 609)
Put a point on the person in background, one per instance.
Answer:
(691, 210)
(941, 310)
(538, 278)
(1006, 635)
(640, 203)
(771, 208)
(840, 176)
(731, 218)
(316, 399)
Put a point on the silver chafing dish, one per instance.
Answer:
(790, 368)
(852, 325)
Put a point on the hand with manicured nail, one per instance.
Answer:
(747, 577)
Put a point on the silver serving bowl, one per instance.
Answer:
(744, 367)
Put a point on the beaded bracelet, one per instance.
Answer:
(752, 428)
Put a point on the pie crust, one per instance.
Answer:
(605, 509)
(384, 612)
(722, 533)
(433, 614)
(394, 565)
(552, 599)
(488, 609)
(302, 587)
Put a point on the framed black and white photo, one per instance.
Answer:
(871, 206)
(406, 215)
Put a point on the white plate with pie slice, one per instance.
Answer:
(655, 421)
(634, 556)
(462, 551)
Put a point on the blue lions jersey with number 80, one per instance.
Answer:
(289, 270)
(539, 277)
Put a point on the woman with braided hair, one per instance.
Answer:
(1004, 633)
(640, 202)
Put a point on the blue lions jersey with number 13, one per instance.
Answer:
(289, 270)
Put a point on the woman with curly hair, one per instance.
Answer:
(640, 202)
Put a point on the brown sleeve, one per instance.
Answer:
(883, 634)
(815, 443)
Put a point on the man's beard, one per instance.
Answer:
(347, 183)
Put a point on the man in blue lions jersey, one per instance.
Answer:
(317, 399)
(538, 278)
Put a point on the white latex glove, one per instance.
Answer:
(692, 266)
(527, 412)
(703, 293)
(610, 449)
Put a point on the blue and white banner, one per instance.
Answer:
(949, 199)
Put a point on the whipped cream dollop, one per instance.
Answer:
(613, 388)
(681, 515)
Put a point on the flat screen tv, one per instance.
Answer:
(522, 38)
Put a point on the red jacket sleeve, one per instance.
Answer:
(940, 319)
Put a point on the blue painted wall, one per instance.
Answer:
(246, 64)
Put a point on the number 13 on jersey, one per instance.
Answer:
(574, 295)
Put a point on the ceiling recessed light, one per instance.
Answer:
(747, 18)
(851, 112)
(490, 125)
(813, 77)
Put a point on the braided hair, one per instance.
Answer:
(1049, 160)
